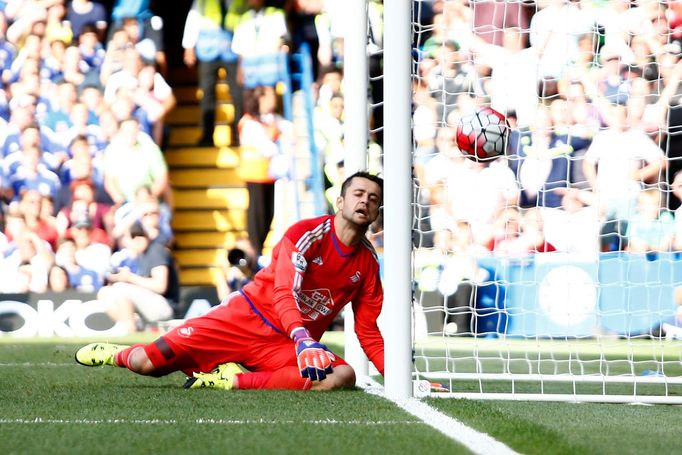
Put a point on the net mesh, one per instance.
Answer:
(555, 269)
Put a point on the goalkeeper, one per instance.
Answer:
(272, 327)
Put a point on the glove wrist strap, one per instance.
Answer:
(299, 333)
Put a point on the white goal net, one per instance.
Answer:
(554, 272)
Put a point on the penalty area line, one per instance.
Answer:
(477, 442)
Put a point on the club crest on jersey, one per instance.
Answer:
(317, 260)
(186, 331)
(300, 264)
(355, 277)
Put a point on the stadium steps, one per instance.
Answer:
(197, 177)
(209, 197)
(183, 113)
(205, 239)
(228, 220)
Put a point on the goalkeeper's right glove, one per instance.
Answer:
(314, 358)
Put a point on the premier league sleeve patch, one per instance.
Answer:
(300, 264)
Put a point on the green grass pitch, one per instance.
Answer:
(52, 405)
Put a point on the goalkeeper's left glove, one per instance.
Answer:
(314, 358)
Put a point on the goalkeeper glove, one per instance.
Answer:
(314, 358)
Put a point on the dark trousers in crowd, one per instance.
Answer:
(208, 78)
(461, 307)
(260, 213)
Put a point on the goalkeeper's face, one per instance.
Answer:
(360, 203)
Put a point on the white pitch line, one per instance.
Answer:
(40, 420)
(477, 442)
(31, 364)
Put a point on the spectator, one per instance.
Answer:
(82, 126)
(56, 28)
(584, 122)
(83, 14)
(651, 228)
(58, 279)
(574, 227)
(437, 171)
(330, 83)
(452, 77)
(459, 277)
(329, 140)
(151, 221)
(93, 98)
(144, 205)
(265, 138)
(619, 151)
(535, 159)
(82, 166)
(611, 81)
(506, 228)
(79, 277)
(151, 292)
(84, 205)
(30, 208)
(31, 175)
(91, 50)
(115, 54)
(147, 40)
(260, 37)
(27, 18)
(514, 78)
(23, 118)
(147, 87)
(125, 76)
(155, 97)
(7, 54)
(144, 28)
(31, 137)
(207, 43)
(530, 238)
(26, 261)
(309, 24)
(125, 257)
(477, 194)
(131, 146)
(124, 106)
(90, 254)
(554, 32)
(58, 118)
(75, 70)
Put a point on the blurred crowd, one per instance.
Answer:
(82, 97)
(591, 90)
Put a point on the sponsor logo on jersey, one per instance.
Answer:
(299, 262)
(356, 277)
(185, 331)
(314, 303)
(317, 260)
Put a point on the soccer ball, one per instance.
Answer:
(482, 134)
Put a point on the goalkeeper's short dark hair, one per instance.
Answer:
(365, 175)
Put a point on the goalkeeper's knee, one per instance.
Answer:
(343, 377)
